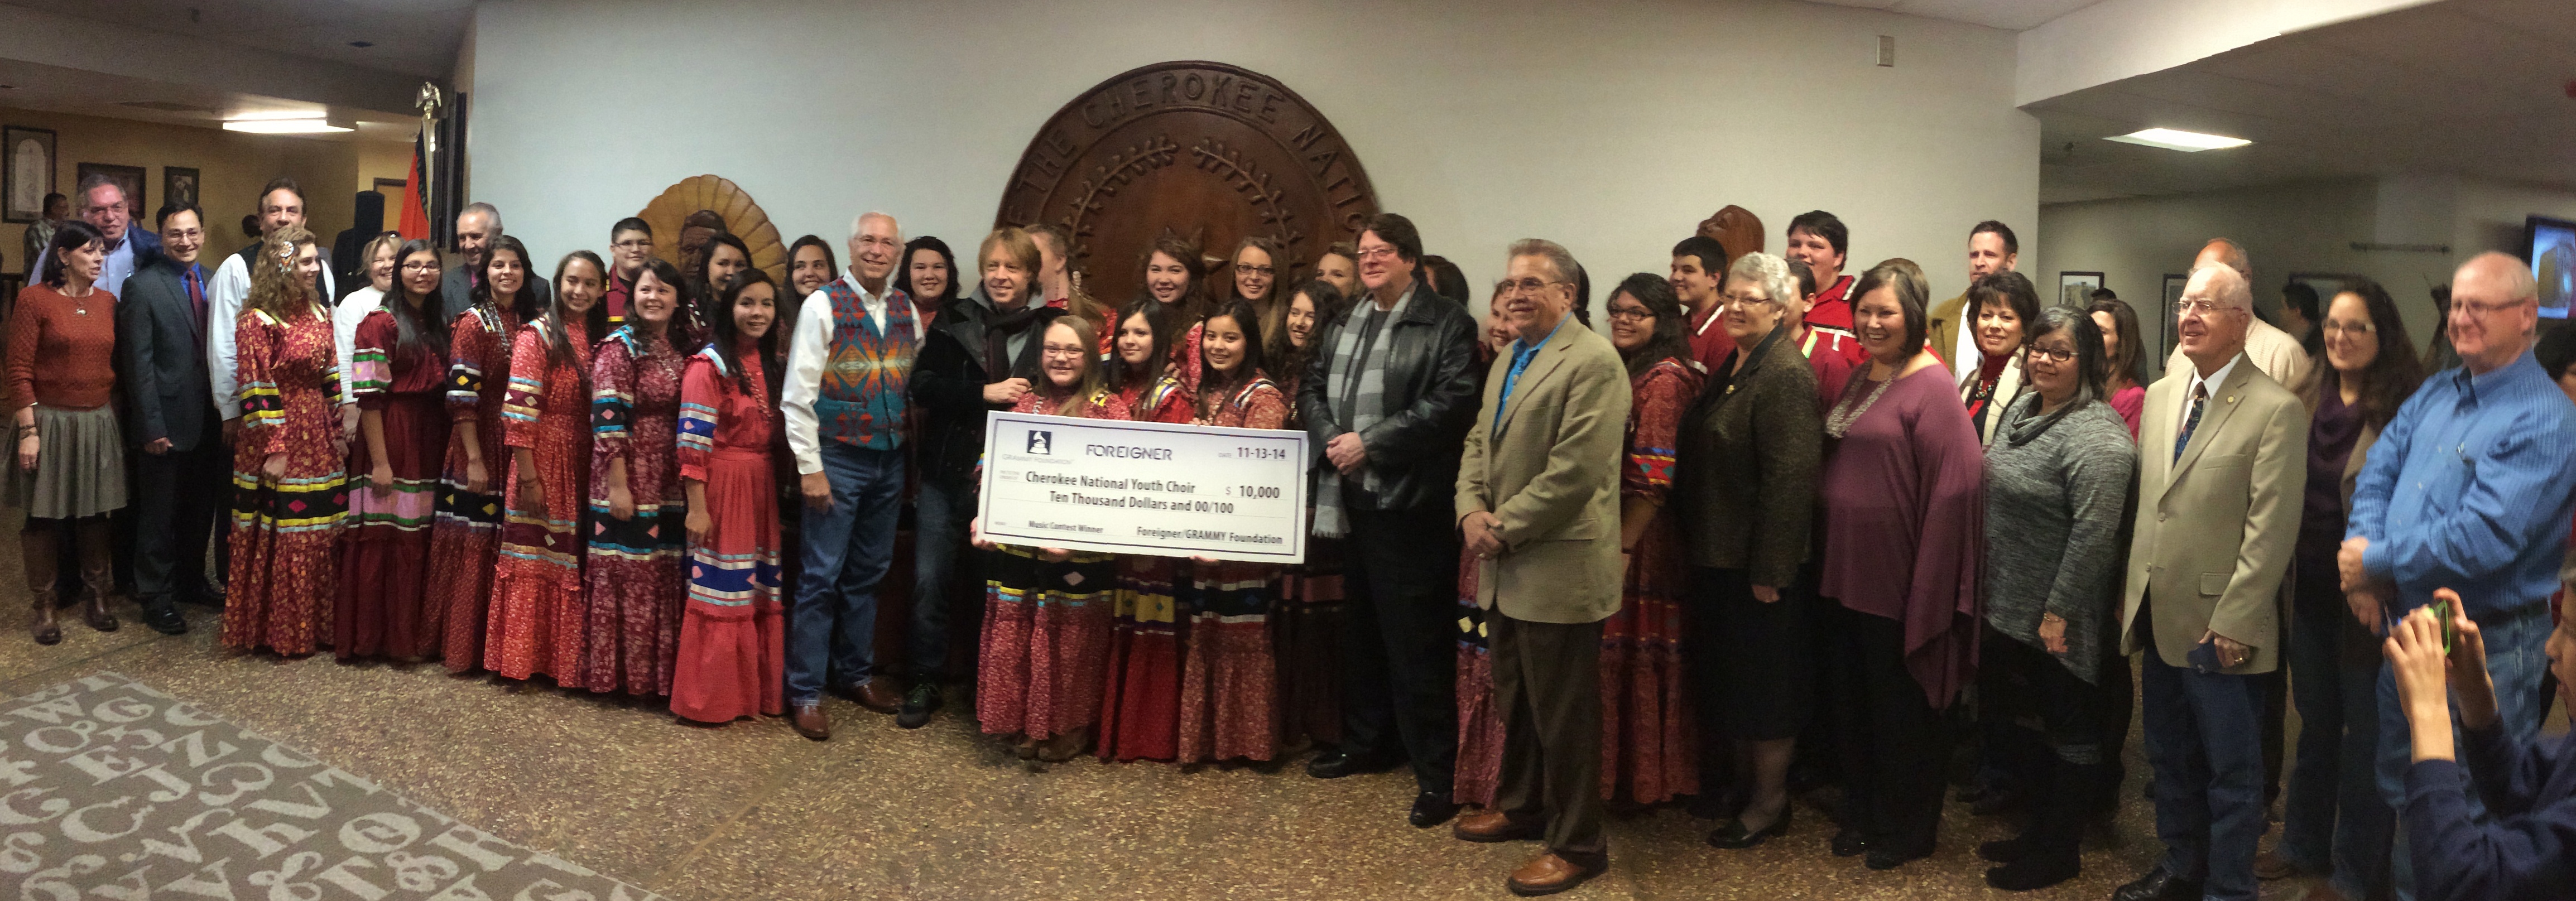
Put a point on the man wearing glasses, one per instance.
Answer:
(161, 324)
(2271, 349)
(1388, 403)
(630, 245)
(2469, 488)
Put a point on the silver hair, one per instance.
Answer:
(856, 222)
(95, 182)
(1560, 263)
(2519, 284)
(489, 211)
(1771, 272)
(2227, 286)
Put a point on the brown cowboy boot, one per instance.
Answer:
(97, 578)
(36, 545)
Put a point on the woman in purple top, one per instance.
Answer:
(2333, 822)
(1903, 522)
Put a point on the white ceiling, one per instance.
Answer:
(413, 37)
(35, 86)
(2010, 15)
(2471, 87)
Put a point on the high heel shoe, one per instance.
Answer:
(1734, 837)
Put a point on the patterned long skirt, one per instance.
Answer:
(536, 622)
(636, 594)
(282, 576)
(383, 595)
(1480, 726)
(462, 543)
(1044, 654)
(1305, 634)
(1140, 704)
(1229, 681)
(733, 635)
(1648, 735)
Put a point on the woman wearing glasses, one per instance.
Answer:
(399, 376)
(2057, 481)
(1647, 739)
(1257, 281)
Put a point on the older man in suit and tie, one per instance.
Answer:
(161, 324)
(1538, 504)
(2225, 451)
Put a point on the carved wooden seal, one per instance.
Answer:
(1205, 150)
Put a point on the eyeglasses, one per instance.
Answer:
(2053, 354)
(1263, 271)
(1062, 350)
(1524, 286)
(2333, 326)
(420, 267)
(1631, 314)
(2477, 308)
(2203, 307)
(1373, 253)
(1738, 298)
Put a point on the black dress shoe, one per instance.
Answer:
(1431, 809)
(2034, 871)
(1849, 842)
(1884, 857)
(2004, 850)
(1734, 837)
(918, 704)
(2159, 885)
(1335, 765)
(163, 618)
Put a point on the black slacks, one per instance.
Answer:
(1547, 685)
(1399, 660)
(1894, 745)
(177, 499)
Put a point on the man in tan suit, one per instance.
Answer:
(1538, 504)
(2223, 462)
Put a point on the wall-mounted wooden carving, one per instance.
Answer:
(1198, 148)
(669, 213)
(1735, 227)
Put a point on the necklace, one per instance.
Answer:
(1845, 412)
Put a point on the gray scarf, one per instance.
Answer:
(1355, 382)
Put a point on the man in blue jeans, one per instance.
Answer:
(2470, 488)
(843, 399)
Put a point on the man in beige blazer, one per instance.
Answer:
(2223, 462)
(1538, 504)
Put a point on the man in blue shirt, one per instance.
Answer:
(2469, 488)
(128, 248)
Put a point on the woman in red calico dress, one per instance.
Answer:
(288, 485)
(637, 515)
(1229, 680)
(466, 536)
(733, 636)
(1140, 707)
(538, 614)
(399, 376)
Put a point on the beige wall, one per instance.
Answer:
(231, 168)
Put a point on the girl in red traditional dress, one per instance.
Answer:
(1045, 647)
(1647, 735)
(1175, 281)
(1140, 706)
(637, 516)
(537, 616)
(467, 533)
(733, 639)
(1479, 765)
(1229, 680)
(398, 372)
(1305, 629)
(288, 485)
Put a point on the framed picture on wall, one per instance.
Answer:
(2075, 289)
(26, 172)
(2326, 284)
(178, 187)
(2171, 309)
(129, 178)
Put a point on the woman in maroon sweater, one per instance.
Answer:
(71, 463)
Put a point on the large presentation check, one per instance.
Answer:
(1144, 488)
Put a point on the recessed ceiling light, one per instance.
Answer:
(267, 115)
(2176, 139)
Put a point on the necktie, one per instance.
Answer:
(2182, 439)
(197, 298)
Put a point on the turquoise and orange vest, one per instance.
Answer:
(861, 401)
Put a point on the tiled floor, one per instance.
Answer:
(751, 811)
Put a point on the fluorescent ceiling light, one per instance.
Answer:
(285, 126)
(2175, 139)
(267, 115)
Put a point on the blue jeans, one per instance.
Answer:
(832, 627)
(942, 511)
(2334, 821)
(2205, 740)
(2515, 661)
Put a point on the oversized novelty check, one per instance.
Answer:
(1144, 488)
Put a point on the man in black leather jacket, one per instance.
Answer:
(1388, 473)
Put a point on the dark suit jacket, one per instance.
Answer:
(161, 357)
(143, 244)
(456, 291)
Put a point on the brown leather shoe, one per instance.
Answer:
(1548, 874)
(1492, 825)
(878, 695)
(809, 721)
